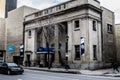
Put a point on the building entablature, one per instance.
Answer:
(41, 23)
(63, 8)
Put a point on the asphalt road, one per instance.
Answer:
(41, 75)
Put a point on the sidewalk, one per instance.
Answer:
(101, 72)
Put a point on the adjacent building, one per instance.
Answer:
(117, 37)
(2, 39)
(14, 33)
(81, 32)
(6, 6)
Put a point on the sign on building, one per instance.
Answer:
(21, 50)
(82, 46)
(11, 49)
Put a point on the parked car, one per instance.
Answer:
(11, 68)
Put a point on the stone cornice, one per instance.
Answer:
(85, 6)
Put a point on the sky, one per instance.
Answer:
(113, 5)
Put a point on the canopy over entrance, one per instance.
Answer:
(42, 50)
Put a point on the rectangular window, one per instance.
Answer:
(76, 24)
(66, 47)
(109, 28)
(29, 33)
(77, 52)
(64, 6)
(46, 11)
(94, 52)
(94, 25)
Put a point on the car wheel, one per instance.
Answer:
(8, 72)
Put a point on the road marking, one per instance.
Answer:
(73, 79)
(54, 77)
(19, 79)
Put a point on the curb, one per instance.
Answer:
(51, 70)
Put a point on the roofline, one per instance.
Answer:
(52, 6)
(58, 13)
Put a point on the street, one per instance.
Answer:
(41, 75)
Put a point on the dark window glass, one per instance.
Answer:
(77, 52)
(77, 24)
(64, 5)
(94, 25)
(66, 47)
(46, 12)
(109, 28)
(94, 52)
(29, 33)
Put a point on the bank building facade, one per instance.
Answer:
(79, 33)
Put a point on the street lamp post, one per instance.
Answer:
(66, 56)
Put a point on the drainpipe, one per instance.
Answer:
(23, 40)
(102, 36)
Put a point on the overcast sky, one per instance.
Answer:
(113, 5)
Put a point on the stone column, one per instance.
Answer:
(70, 49)
(34, 48)
(56, 40)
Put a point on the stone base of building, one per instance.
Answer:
(90, 66)
(56, 65)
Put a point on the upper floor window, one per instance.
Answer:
(94, 25)
(46, 11)
(64, 6)
(77, 52)
(50, 10)
(76, 24)
(109, 28)
(29, 33)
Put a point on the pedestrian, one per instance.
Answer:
(115, 67)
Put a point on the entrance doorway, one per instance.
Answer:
(28, 57)
(17, 60)
(2, 55)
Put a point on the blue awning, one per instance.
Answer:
(45, 50)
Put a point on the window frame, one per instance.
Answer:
(94, 25)
(109, 28)
(29, 33)
(76, 25)
(94, 52)
(77, 52)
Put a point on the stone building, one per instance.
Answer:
(80, 31)
(108, 36)
(14, 32)
(2, 39)
(117, 37)
(6, 6)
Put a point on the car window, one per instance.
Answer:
(1, 64)
(11, 64)
(5, 65)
